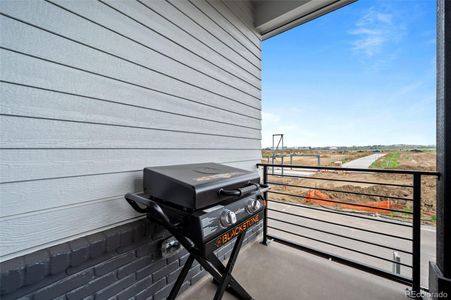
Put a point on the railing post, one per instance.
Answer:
(265, 214)
(281, 168)
(416, 233)
(272, 162)
(396, 269)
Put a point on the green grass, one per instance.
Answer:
(408, 209)
(389, 161)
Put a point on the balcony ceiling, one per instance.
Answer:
(275, 16)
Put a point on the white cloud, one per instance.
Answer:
(374, 30)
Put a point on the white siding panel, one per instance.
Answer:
(25, 233)
(155, 35)
(238, 27)
(25, 70)
(68, 53)
(42, 229)
(214, 23)
(41, 195)
(246, 165)
(200, 74)
(146, 14)
(213, 27)
(42, 164)
(232, 36)
(92, 92)
(21, 101)
(24, 132)
(244, 13)
(181, 18)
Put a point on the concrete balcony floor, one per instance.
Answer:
(280, 272)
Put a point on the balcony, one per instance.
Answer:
(281, 272)
(343, 241)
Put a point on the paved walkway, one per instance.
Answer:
(363, 162)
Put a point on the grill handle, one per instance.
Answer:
(253, 187)
(151, 206)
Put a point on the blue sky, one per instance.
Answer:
(362, 75)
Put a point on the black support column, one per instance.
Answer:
(440, 271)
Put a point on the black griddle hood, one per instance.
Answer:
(195, 186)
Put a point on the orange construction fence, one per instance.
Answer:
(315, 196)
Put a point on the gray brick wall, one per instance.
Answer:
(121, 263)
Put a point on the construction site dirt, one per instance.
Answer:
(311, 190)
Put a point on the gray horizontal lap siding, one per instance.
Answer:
(92, 91)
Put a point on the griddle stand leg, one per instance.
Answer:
(221, 275)
(227, 276)
(234, 287)
(181, 278)
(214, 266)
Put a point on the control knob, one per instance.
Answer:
(227, 218)
(253, 205)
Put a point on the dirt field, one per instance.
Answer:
(376, 194)
(418, 160)
(327, 157)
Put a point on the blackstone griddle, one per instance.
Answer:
(196, 186)
(205, 206)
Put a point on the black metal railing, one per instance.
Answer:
(311, 223)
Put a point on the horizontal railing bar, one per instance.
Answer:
(339, 213)
(339, 191)
(340, 235)
(345, 261)
(341, 202)
(392, 171)
(343, 180)
(341, 247)
(342, 225)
